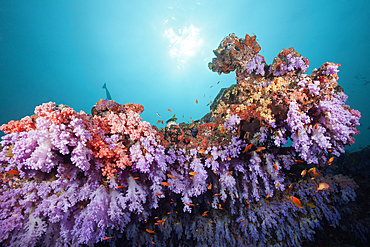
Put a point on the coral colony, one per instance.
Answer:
(249, 173)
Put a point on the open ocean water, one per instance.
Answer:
(156, 53)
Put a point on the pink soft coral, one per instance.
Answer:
(54, 114)
(130, 124)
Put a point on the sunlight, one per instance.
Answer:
(183, 43)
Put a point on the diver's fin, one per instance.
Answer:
(107, 92)
(108, 95)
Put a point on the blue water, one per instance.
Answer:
(156, 52)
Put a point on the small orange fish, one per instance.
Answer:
(107, 238)
(209, 186)
(258, 137)
(158, 194)
(150, 231)
(228, 158)
(218, 194)
(152, 242)
(244, 224)
(211, 222)
(329, 150)
(330, 160)
(322, 186)
(201, 151)
(157, 224)
(193, 173)
(177, 223)
(219, 206)
(165, 184)
(191, 118)
(196, 101)
(158, 114)
(299, 161)
(260, 149)
(247, 147)
(182, 116)
(311, 205)
(119, 187)
(135, 178)
(296, 201)
(276, 168)
(314, 172)
(158, 121)
(171, 176)
(249, 205)
(68, 176)
(268, 195)
(13, 172)
(229, 173)
(162, 121)
(169, 110)
(222, 181)
(190, 204)
(174, 116)
(303, 173)
(205, 213)
(215, 172)
(192, 178)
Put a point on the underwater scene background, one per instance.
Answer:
(124, 135)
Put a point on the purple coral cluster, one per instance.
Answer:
(290, 63)
(232, 180)
(257, 64)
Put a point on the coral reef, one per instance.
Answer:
(252, 172)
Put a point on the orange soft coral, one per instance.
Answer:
(25, 124)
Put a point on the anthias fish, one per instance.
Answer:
(296, 202)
